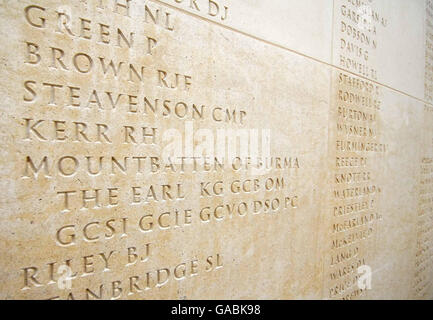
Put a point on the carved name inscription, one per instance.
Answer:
(129, 171)
(170, 149)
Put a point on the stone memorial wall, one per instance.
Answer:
(216, 149)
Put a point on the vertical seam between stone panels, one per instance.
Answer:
(275, 44)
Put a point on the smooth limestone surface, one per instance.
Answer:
(196, 149)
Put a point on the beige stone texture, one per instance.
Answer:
(153, 150)
(387, 47)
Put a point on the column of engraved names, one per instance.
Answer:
(354, 192)
(428, 69)
(357, 104)
(424, 255)
(424, 244)
(101, 151)
(97, 145)
(356, 36)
